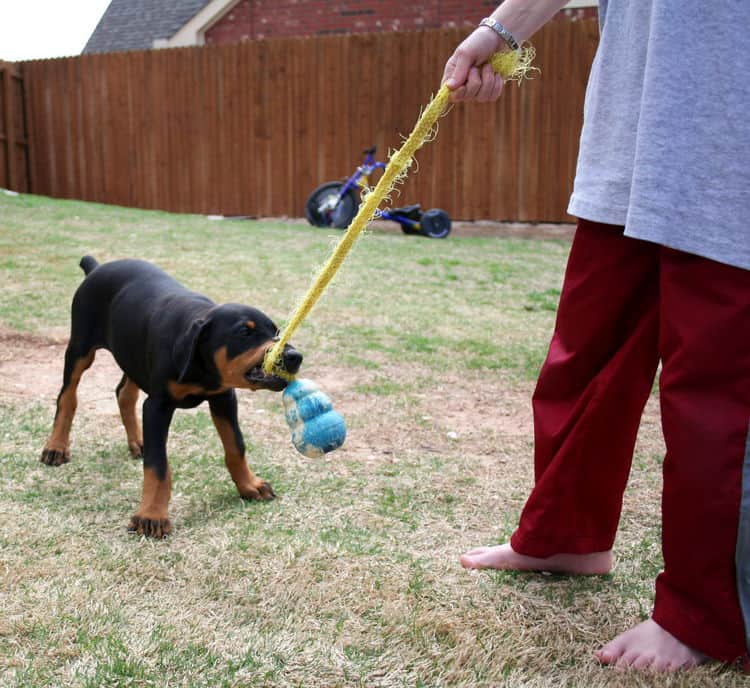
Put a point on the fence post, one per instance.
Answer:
(10, 129)
(13, 137)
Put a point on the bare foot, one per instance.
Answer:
(505, 557)
(649, 646)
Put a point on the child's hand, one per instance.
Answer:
(468, 74)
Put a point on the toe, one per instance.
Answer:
(476, 559)
(157, 528)
(609, 654)
(645, 660)
(54, 457)
(473, 558)
(261, 491)
(477, 550)
(626, 660)
(266, 491)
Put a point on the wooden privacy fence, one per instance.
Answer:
(253, 128)
(14, 143)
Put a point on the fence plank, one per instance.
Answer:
(252, 128)
(10, 126)
(4, 137)
(14, 139)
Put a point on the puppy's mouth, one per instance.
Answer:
(260, 380)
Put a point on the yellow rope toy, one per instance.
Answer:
(512, 66)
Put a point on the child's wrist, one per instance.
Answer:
(506, 40)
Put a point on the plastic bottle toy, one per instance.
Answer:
(316, 428)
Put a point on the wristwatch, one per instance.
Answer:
(501, 31)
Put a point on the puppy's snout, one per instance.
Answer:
(292, 359)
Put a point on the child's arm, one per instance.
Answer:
(467, 73)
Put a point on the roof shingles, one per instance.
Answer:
(135, 24)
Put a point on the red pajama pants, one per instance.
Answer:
(626, 304)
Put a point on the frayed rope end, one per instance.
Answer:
(515, 65)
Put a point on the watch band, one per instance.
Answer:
(501, 31)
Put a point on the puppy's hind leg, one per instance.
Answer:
(127, 398)
(57, 449)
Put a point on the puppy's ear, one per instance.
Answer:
(185, 352)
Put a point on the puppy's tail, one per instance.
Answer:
(88, 263)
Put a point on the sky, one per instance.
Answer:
(31, 29)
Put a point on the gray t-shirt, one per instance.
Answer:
(665, 145)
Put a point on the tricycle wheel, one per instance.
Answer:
(324, 208)
(435, 223)
(409, 229)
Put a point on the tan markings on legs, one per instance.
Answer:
(156, 494)
(152, 517)
(127, 399)
(56, 450)
(249, 485)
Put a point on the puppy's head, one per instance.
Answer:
(227, 348)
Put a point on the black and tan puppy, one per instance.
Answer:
(181, 349)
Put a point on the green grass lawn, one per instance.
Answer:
(350, 578)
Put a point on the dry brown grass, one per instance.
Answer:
(351, 577)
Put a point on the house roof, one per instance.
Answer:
(136, 24)
(145, 24)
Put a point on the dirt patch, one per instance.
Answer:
(482, 410)
(480, 418)
(31, 368)
(471, 416)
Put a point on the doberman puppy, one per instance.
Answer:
(181, 349)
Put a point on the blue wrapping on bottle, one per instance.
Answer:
(316, 427)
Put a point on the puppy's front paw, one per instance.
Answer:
(258, 490)
(54, 457)
(150, 527)
(136, 449)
